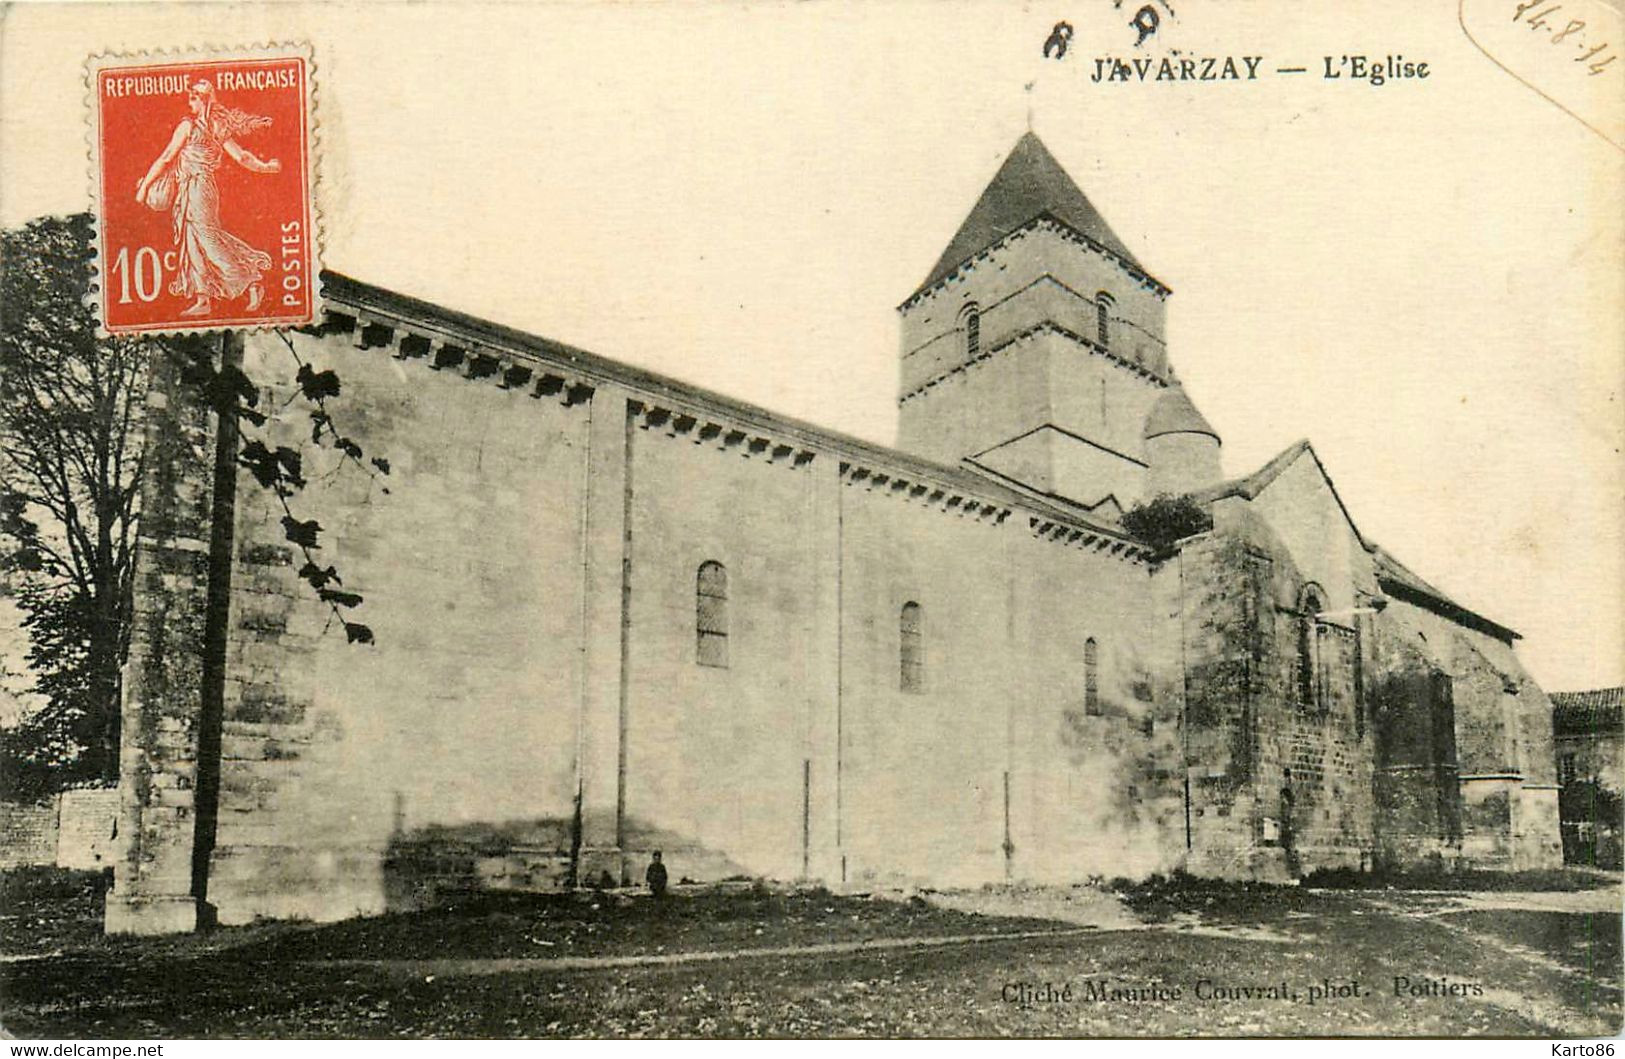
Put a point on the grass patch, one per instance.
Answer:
(1585, 942)
(1545, 974)
(45, 909)
(1162, 897)
(616, 923)
(1549, 880)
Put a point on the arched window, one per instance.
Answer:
(711, 615)
(1103, 320)
(970, 320)
(911, 650)
(1091, 677)
(1309, 607)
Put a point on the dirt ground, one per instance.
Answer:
(1173, 957)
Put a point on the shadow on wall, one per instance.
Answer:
(429, 865)
(686, 858)
(1123, 798)
(1417, 791)
(438, 863)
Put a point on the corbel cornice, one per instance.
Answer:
(719, 435)
(505, 369)
(916, 490)
(1087, 539)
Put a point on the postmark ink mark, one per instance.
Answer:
(1059, 39)
(1562, 50)
(1145, 21)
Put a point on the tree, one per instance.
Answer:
(1164, 520)
(72, 431)
(71, 427)
(1594, 815)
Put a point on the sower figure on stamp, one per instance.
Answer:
(213, 263)
(656, 876)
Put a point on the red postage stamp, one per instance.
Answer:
(202, 184)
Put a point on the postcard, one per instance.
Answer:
(877, 520)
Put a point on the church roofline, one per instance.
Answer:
(1049, 498)
(1399, 581)
(1393, 577)
(1029, 185)
(353, 297)
(1065, 433)
(1249, 486)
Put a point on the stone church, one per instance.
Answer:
(615, 613)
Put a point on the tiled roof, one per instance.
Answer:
(1585, 711)
(1175, 414)
(1030, 184)
(1392, 569)
(1401, 582)
(1393, 576)
(1249, 486)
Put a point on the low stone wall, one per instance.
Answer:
(27, 834)
(74, 829)
(87, 824)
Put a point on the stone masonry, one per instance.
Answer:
(615, 613)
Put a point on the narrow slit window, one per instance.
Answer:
(973, 332)
(1358, 663)
(1091, 678)
(1103, 320)
(911, 650)
(711, 615)
(1309, 652)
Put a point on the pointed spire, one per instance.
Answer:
(1029, 183)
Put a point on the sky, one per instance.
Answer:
(1423, 277)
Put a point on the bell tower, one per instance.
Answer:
(1035, 347)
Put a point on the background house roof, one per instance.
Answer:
(1587, 711)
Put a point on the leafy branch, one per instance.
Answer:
(317, 387)
(73, 466)
(280, 470)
